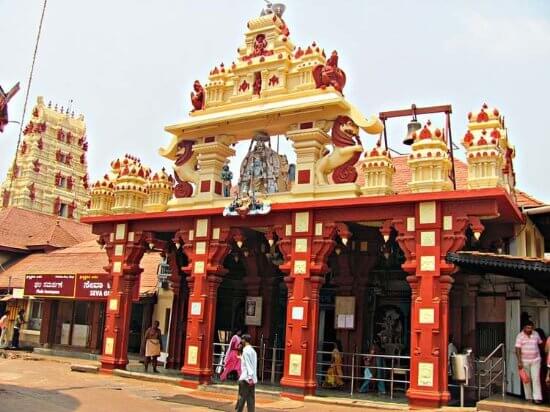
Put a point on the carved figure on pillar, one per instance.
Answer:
(227, 176)
(347, 149)
(330, 74)
(197, 96)
(185, 169)
(257, 86)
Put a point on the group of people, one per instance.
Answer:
(18, 324)
(373, 366)
(533, 358)
(241, 359)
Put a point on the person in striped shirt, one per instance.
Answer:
(528, 355)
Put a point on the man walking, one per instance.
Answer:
(19, 320)
(4, 330)
(248, 378)
(528, 355)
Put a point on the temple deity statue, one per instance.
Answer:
(263, 170)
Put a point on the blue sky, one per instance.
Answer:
(129, 65)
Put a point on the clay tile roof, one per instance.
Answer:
(24, 230)
(526, 200)
(85, 257)
(402, 175)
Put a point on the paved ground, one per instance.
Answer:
(31, 383)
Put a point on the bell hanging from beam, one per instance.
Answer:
(412, 127)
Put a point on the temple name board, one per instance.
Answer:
(79, 286)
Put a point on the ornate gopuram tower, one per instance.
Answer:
(50, 173)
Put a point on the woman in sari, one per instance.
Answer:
(334, 372)
(232, 362)
(153, 346)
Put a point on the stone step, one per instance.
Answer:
(510, 404)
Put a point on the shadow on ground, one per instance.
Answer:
(216, 405)
(24, 399)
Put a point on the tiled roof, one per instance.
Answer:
(81, 258)
(25, 230)
(402, 175)
(526, 200)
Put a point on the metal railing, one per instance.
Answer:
(489, 372)
(393, 369)
(270, 361)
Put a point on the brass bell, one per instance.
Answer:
(412, 127)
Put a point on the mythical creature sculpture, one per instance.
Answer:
(185, 169)
(330, 74)
(4, 100)
(197, 97)
(347, 149)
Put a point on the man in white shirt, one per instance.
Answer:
(248, 378)
(4, 330)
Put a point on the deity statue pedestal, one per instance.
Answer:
(337, 191)
(309, 144)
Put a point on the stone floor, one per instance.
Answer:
(30, 382)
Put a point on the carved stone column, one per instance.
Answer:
(125, 250)
(253, 282)
(179, 307)
(206, 248)
(426, 238)
(470, 307)
(306, 245)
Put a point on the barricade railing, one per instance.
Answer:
(270, 361)
(488, 372)
(386, 369)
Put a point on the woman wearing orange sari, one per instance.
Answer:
(334, 372)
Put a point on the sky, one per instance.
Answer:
(129, 65)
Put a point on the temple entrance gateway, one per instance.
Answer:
(341, 252)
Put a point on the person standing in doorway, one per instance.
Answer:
(19, 321)
(232, 361)
(4, 329)
(248, 378)
(528, 355)
(153, 346)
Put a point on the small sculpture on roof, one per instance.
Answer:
(197, 97)
(330, 74)
(270, 8)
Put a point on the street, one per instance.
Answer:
(31, 383)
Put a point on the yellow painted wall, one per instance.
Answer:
(164, 301)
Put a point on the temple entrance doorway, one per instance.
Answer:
(252, 298)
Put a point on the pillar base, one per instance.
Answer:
(110, 364)
(194, 378)
(419, 399)
(297, 389)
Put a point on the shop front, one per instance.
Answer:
(68, 310)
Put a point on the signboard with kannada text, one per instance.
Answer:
(80, 286)
(57, 286)
(90, 286)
